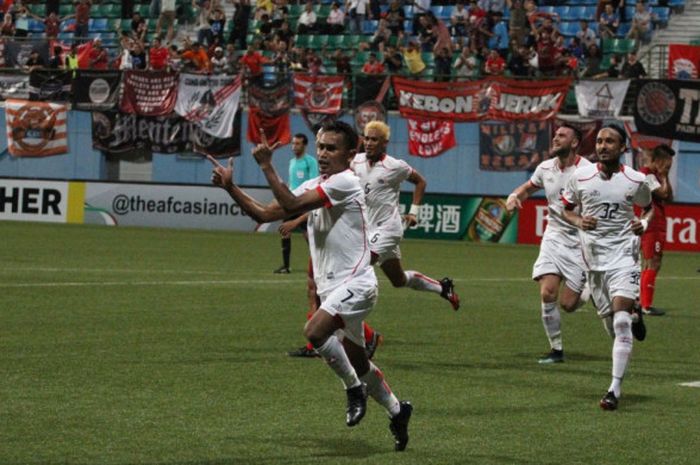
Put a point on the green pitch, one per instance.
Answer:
(134, 346)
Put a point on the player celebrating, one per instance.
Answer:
(606, 194)
(381, 176)
(560, 250)
(654, 239)
(344, 277)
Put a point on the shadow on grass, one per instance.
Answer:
(336, 447)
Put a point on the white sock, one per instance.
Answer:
(334, 354)
(420, 282)
(380, 391)
(551, 320)
(622, 349)
(608, 325)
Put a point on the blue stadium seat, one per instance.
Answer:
(447, 11)
(577, 13)
(623, 29)
(437, 10)
(569, 28)
(629, 12)
(547, 9)
(590, 13)
(676, 5)
(408, 11)
(369, 26)
(662, 14)
(593, 26)
(35, 26)
(563, 13)
(99, 24)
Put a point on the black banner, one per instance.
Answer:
(270, 100)
(14, 86)
(668, 108)
(95, 90)
(50, 85)
(368, 87)
(513, 146)
(120, 133)
(17, 52)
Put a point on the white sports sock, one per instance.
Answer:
(420, 282)
(551, 320)
(608, 325)
(622, 349)
(334, 354)
(380, 391)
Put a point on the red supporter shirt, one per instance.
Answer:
(98, 58)
(253, 61)
(373, 68)
(495, 65)
(51, 27)
(82, 13)
(158, 57)
(658, 221)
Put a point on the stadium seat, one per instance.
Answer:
(99, 25)
(569, 28)
(437, 10)
(369, 26)
(317, 42)
(563, 13)
(302, 40)
(335, 42)
(677, 5)
(35, 26)
(577, 13)
(109, 10)
(619, 45)
(623, 30)
(65, 9)
(662, 14)
(428, 58)
(408, 11)
(629, 12)
(115, 24)
(38, 9)
(296, 10)
(67, 24)
(547, 9)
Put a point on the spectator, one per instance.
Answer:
(52, 24)
(393, 61)
(202, 22)
(282, 61)
(468, 63)
(139, 27)
(517, 24)
(426, 35)
(613, 71)
(98, 56)
(420, 8)
(493, 6)
(342, 64)
(500, 38)
(381, 36)
(633, 69)
(373, 65)
(413, 59)
(263, 7)
(495, 64)
(139, 60)
(283, 34)
(593, 62)
(459, 20)
(7, 29)
(442, 34)
(548, 26)
(158, 55)
(586, 35)
(239, 31)
(232, 59)
(568, 64)
(357, 11)
(307, 20)
(335, 23)
(519, 65)
(218, 61)
(443, 65)
(547, 54)
(22, 22)
(252, 62)
(82, 20)
(71, 60)
(576, 49)
(395, 18)
(641, 23)
(33, 62)
(174, 59)
(196, 58)
(609, 22)
(280, 13)
(479, 32)
(314, 63)
(56, 61)
(217, 24)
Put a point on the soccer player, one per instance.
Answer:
(654, 238)
(606, 193)
(302, 167)
(344, 277)
(560, 250)
(381, 176)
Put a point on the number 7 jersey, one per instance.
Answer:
(612, 244)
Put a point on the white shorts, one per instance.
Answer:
(564, 261)
(352, 301)
(385, 245)
(621, 282)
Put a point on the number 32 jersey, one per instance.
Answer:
(612, 244)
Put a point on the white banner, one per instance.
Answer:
(29, 200)
(14, 86)
(211, 101)
(601, 98)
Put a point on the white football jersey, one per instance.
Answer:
(550, 177)
(612, 244)
(381, 184)
(338, 232)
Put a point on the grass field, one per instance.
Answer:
(135, 346)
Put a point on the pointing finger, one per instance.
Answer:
(213, 161)
(277, 144)
(230, 163)
(263, 137)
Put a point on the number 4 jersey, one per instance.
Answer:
(612, 244)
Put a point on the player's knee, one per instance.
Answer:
(313, 335)
(622, 323)
(398, 281)
(548, 294)
(568, 305)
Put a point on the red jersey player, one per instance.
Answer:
(657, 163)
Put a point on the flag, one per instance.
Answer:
(318, 94)
(370, 87)
(95, 89)
(209, 101)
(668, 107)
(50, 84)
(14, 86)
(269, 112)
(35, 129)
(149, 93)
(512, 146)
(17, 52)
(683, 61)
(601, 98)
(429, 138)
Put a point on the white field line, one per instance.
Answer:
(695, 384)
(104, 270)
(224, 282)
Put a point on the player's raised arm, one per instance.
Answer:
(418, 192)
(521, 193)
(222, 176)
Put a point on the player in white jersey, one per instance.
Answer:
(560, 250)
(606, 194)
(345, 279)
(381, 176)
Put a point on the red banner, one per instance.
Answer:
(276, 127)
(429, 138)
(683, 61)
(149, 93)
(490, 99)
(681, 225)
(318, 94)
(36, 129)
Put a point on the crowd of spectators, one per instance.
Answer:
(473, 42)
